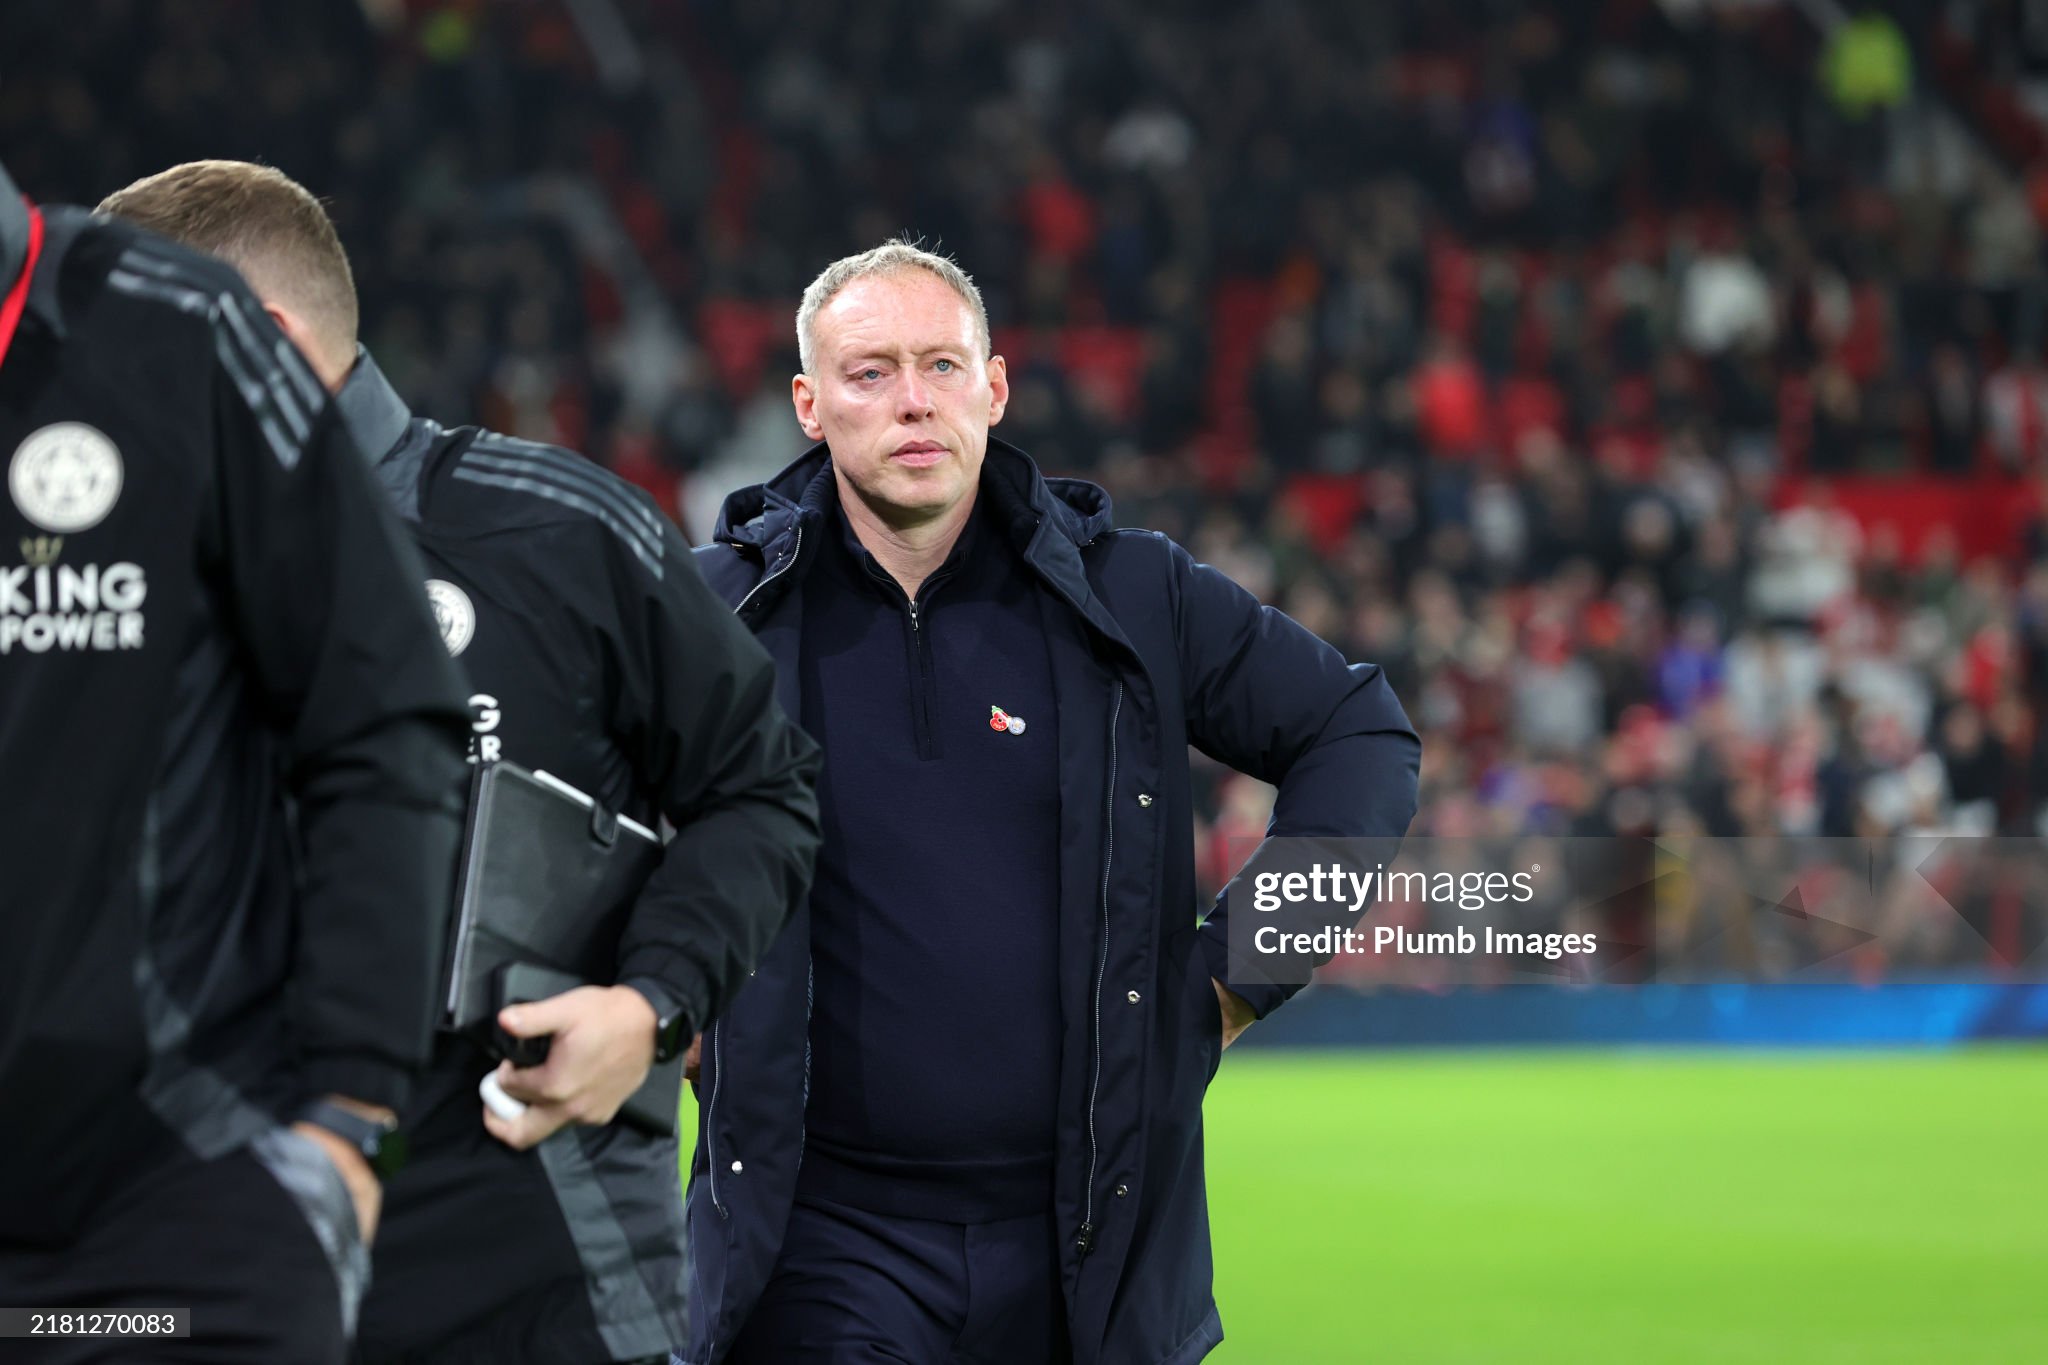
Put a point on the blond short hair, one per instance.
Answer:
(890, 258)
(262, 222)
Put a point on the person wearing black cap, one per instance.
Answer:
(232, 749)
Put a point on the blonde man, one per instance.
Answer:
(957, 1114)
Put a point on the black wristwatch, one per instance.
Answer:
(379, 1140)
(671, 1029)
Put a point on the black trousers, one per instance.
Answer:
(856, 1288)
(526, 1331)
(225, 1239)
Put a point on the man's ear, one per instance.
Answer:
(333, 372)
(805, 399)
(295, 331)
(998, 388)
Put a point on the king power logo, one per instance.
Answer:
(65, 478)
(45, 605)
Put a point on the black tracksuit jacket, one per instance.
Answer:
(596, 653)
(230, 744)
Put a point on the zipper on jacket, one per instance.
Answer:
(796, 552)
(711, 1121)
(717, 1029)
(1085, 1241)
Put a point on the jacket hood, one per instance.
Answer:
(757, 517)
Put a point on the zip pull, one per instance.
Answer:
(913, 613)
(1085, 1243)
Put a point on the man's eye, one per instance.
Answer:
(869, 375)
(943, 366)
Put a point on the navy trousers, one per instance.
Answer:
(855, 1288)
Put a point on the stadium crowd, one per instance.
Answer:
(1490, 341)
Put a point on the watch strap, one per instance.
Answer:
(671, 1029)
(369, 1136)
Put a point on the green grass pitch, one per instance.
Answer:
(1631, 1206)
(1638, 1206)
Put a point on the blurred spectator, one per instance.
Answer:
(1868, 66)
(1503, 343)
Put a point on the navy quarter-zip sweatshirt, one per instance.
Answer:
(935, 1021)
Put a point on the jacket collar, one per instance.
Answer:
(1048, 521)
(395, 442)
(758, 517)
(371, 409)
(13, 231)
(43, 300)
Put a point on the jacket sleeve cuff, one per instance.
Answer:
(664, 1001)
(657, 972)
(368, 1079)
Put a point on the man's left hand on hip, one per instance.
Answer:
(1237, 1015)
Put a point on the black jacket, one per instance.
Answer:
(205, 608)
(595, 652)
(1154, 652)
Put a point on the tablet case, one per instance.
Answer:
(546, 880)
